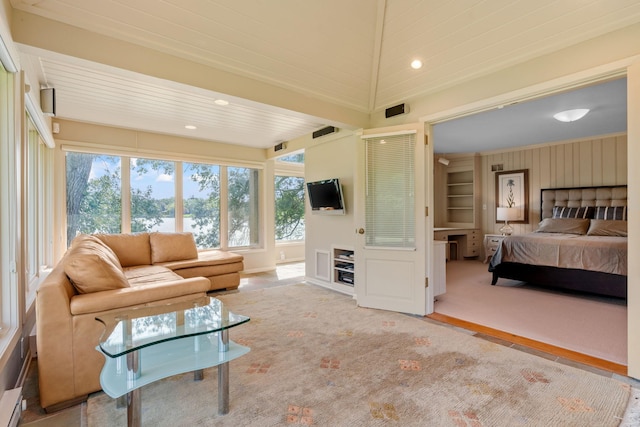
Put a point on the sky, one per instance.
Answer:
(162, 185)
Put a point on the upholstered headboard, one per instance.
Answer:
(583, 196)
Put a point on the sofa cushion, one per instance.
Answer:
(146, 274)
(92, 266)
(172, 247)
(205, 259)
(131, 249)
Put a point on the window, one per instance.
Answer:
(153, 195)
(31, 201)
(94, 197)
(289, 208)
(292, 158)
(218, 204)
(8, 211)
(37, 220)
(201, 203)
(390, 187)
(242, 207)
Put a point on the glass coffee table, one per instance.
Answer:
(146, 344)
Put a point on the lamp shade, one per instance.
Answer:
(507, 214)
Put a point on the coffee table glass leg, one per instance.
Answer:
(134, 408)
(223, 388)
(134, 402)
(223, 374)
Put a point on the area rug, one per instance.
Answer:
(318, 359)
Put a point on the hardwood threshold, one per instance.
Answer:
(536, 345)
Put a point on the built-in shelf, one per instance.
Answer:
(460, 193)
(343, 264)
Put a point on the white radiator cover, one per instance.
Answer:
(11, 407)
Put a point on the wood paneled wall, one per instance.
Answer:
(583, 163)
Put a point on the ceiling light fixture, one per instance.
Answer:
(416, 64)
(191, 127)
(571, 115)
(221, 102)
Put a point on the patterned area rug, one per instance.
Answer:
(317, 359)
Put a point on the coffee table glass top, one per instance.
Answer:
(138, 328)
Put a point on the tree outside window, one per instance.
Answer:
(94, 201)
(289, 208)
(153, 200)
(201, 203)
(242, 207)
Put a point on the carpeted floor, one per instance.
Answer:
(317, 359)
(592, 325)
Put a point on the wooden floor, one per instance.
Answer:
(532, 344)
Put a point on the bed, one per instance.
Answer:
(580, 243)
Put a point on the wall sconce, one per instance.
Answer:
(506, 215)
(443, 161)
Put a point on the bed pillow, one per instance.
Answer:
(611, 212)
(605, 227)
(563, 225)
(565, 212)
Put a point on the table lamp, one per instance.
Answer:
(506, 214)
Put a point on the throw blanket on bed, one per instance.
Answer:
(595, 253)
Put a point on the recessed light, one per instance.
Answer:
(416, 64)
(191, 127)
(221, 102)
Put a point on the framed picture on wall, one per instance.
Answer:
(512, 191)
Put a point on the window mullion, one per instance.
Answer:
(224, 208)
(125, 186)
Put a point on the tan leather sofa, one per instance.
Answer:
(106, 273)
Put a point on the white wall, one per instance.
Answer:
(334, 158)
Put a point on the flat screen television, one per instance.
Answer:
(326, 197)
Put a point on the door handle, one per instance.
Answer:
(360, 230)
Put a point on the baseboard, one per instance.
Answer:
(24, 370)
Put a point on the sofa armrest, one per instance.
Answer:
(126, 297)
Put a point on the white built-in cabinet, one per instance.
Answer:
(343, 266)
(458, 192)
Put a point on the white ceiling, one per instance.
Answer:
(352, 54)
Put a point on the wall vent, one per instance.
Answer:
(325, 131)
(396, 110)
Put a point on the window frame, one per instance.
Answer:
(38, 225)
(179, 160)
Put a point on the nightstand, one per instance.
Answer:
(491, 244)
